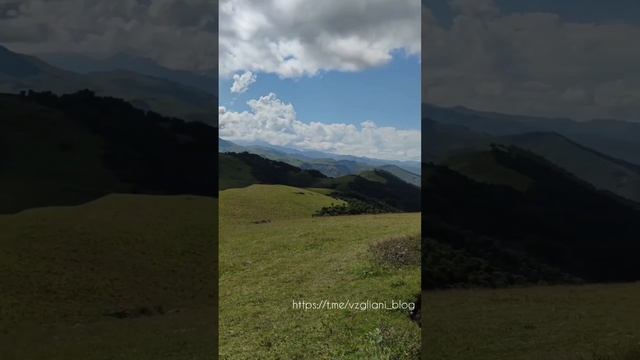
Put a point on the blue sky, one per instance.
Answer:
(343, 78)
(389, 94)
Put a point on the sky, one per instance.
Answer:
(334, 76)
(570, 58)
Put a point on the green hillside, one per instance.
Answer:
(490, 231)
(273, 252)
(619, 177)
(257, 203)
(332, 167)
(67, 150)
(242, 169)
(48, 158)
(448, 143)
(125, 276)
(402, 174)
(378, 188)
(483, 166)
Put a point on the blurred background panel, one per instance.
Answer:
(108, 179)
(531, 143)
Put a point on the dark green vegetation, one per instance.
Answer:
(331, 165)
(21, 72)
(540, 224)
(70, 149)
(509, 202)
(122, 277)
(371, 191)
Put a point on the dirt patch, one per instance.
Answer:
(265, 221)
(397, 252)
(137, 312)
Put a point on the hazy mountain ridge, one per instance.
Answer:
(443, 140)
(22, 72)
(124, 62)
(376, 187)
(616, 138)
(332, 165)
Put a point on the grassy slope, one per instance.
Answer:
(596, 168)
(264, 267)
(483, 167)
(38, 164)
(556, 323)
(63, 268)
(236, 173)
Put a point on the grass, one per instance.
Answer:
(271, 202)
(264, 267)
(64, 268)
(590, 322)
(483, 167)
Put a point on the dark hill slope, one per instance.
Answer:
(19, 72)
(333, 167)
(615, 138)
(555, 229)
(70, 149)
(444, 143)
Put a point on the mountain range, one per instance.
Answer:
(453, 132)
(616, 138)
(513, 200)
(156, 89)
(333, 165)
(379, 190)
(84, 64)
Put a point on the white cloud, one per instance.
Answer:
(275, 122)
(293, 38)
(180, 34)
(242, 82)
(531, 63)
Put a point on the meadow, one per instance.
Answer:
(587, 322)
(273, 252)
(121, 277)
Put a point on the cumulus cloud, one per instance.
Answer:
(242, 82)
(531, 63)
(271, 120)
(293, 38)
(180, 34)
